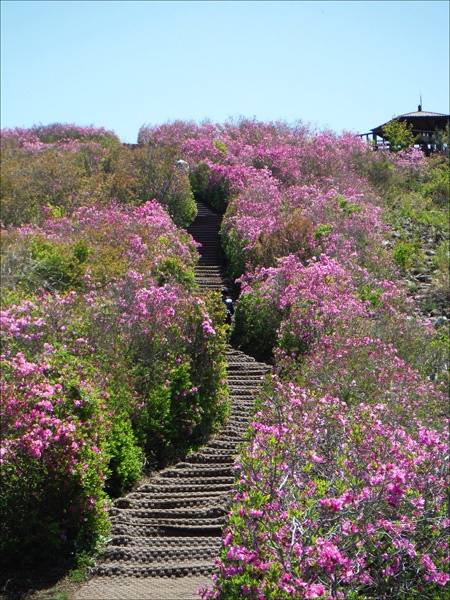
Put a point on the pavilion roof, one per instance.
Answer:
(421, 121)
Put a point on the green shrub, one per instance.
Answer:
(368, 293)
(181, 386)
(437, 188)
(404, 254)
(174, 268)
(58, 267)
(321, 230)
(157, 178)
(127, 459)
(221, 146)
(31, 262)
(235, 253)
(216, 193)
(256, 325)
(441, 276)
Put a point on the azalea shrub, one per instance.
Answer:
(156, 177)
(54, 460)
(342, 486)
(337, 501)
(112, 363)
(96, 245)
(52, 170)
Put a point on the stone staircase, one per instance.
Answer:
(210, 271)
(167, 533)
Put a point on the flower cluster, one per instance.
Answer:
(110, 360)
(333, 500)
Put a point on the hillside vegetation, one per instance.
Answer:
(113, 363)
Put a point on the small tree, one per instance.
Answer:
(399, 134)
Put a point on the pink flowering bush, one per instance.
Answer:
(52, 170)
(95, 246)
(54, 459)
(156, 177)
(296, 308)
(266, 222)
(336, 501)
(306, 301)
(57, 133)
(284, 190)
(111, 360)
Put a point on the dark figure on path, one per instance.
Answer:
(228, 306)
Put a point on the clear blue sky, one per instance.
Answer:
(120, 65)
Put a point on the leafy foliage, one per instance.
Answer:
(101, 324)
(112, 360)
(399, 134)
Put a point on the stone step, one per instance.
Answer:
(186, 520)
(170, 502)
(187, 470)
(141, 494)
(186, 486)
(213, 458)
(124, 525)
(222, 444)
(160, 554)
(162, 543)
(177, 517)
(189, 568)
(216, 451)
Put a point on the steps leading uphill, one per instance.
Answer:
(166, 534)
(210, 271)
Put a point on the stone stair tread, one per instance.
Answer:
(173, 514)
(192, 487)
(206, 469)
(137, 517)
(166, 542)
(151, 554)
(148, 570)
(173, 501)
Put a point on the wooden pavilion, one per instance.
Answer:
(424, 126)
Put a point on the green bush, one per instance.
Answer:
(174, 268)
(216, 193)
(31, 182)
(156, 177)
(441, 276)
(181, 386)
(236, 256)
(31, 262)
(58, 267)
(221, 146)
(322, 230)
(404, 254)
(437, 188)
(126, 458)
(256, 325)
